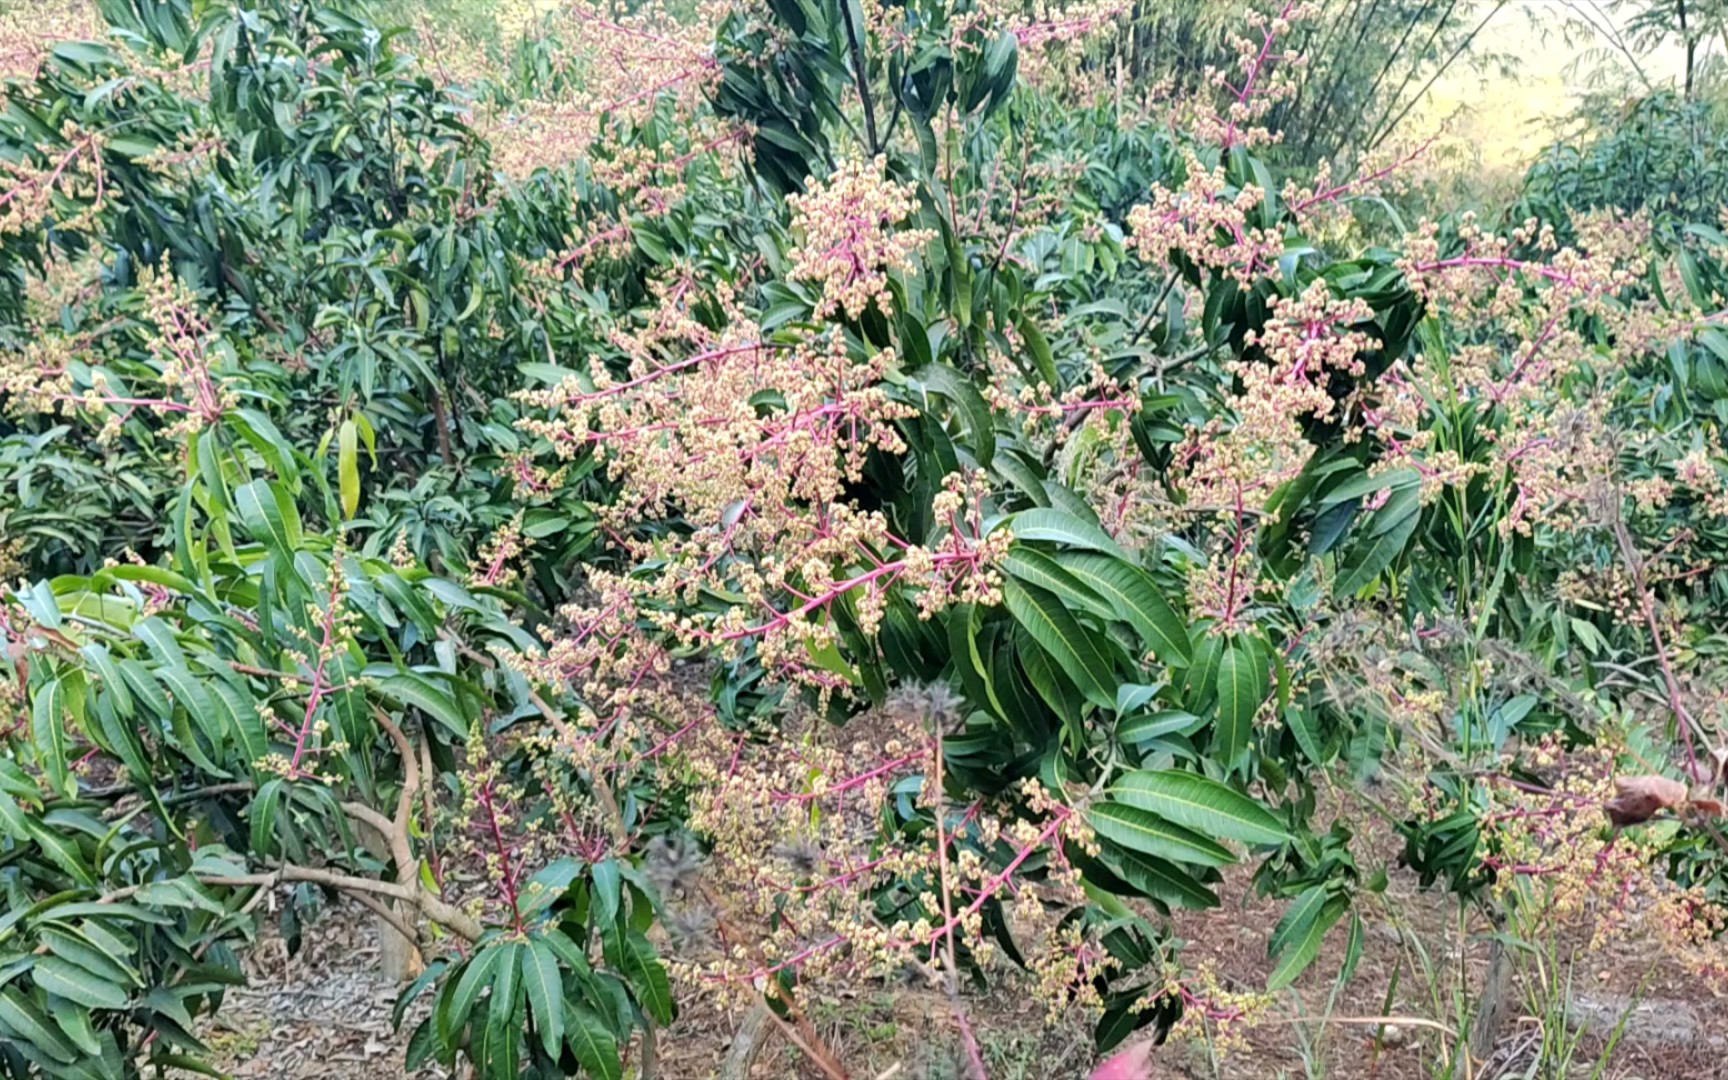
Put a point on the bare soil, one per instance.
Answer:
(326, 1013)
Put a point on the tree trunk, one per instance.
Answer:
(1494, 999)
(399, 958)
(752, 1035)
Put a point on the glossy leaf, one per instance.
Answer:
(1202, 804)
(1148, 834)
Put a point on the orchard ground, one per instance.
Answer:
(325, 1012)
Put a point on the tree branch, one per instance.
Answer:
(862, 73)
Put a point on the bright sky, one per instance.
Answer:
(1507, 119)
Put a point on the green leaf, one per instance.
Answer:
(1059, 526)
(980, 423)
(259, 430)
(58, 847)
(1689, 276)
(1716, 341)
(180, 892)
(1353, 948)
(146, 689)
(120, 912)
(592, 1042)
(1137, 830)
(1376, 552)
(265, 806)
(1302, 724)
(412, 689)
(968, 661)
(1136, 600)
(433, 973)
(74, 1023)
(1042, 358)
(1364, 483)
(269, 516)
(242, 719)
(1241, 689)
(348, 467)
(506, 977)
(1157, 725)
(77, 985)
(545, 988)
(1036, 568)
(608, 892)
(190, 693)
(1076, 650)
(1200, 803)
(503, 1054)
(1296, 941)
(476, 976)
(648, 978)
(109, 677)
(21, 1015)
(159, 637)
(89, 54)
(48, 728)
(84, 951)
(1161, 880)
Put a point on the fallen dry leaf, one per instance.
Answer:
(1706, 807)
(1638, 798)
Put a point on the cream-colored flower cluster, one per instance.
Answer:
(1553, 848)
(620, 69)
(29, 31)
(1263, 75)
(71, 186)
(847, 240)
(1190, 220)
(1236, 461)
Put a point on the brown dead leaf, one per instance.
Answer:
(1638, 798)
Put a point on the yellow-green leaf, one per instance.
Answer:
(348, 467)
